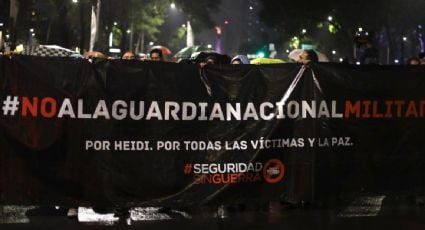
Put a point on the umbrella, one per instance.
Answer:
(186, 53)
(295, 54)
(199, 57)
(165, 50)
(322, 57)
(51, 51)
(260, 61)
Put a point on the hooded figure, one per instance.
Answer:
(242, 59)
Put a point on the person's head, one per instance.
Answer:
(210, 60)
(414, 61)
(156, 55)
(95, 54)
(240, 59)
(369, 44)
(143, 56)
(128, 55)
(308, 56)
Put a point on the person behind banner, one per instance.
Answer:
(94, 54)
(156, 55)
(143, 57)
(413, 61)
(308, 56)
(240, 59)
(129, 55)
(370, 55)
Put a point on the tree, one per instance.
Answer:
(389, 19)
(67, 24)
(199, 12)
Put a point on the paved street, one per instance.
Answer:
(368, 212)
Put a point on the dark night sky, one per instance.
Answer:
(236, 12)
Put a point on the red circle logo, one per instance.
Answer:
(273, 171)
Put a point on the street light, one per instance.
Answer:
(330, 18)
(173, 5)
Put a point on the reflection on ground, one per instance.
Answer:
(363, 212)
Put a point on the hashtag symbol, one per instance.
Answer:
(187, 168)
(10, 105)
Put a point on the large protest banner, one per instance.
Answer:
(139, 133)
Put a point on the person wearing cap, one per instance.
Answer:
(240, 59)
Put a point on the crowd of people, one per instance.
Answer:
(203, 58)
(369, 56)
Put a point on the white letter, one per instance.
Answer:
(263, 111)
(80, 110)
(173, 111)
(185, 115)
(217, 112)
(232, 111)
(101, 110)
(66, 109)
(250, 112)
(121, 113)
(154, 111)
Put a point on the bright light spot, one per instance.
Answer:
(333, 52)
(366, 33)
(32, 30)
(151, 43)
(114, 50)
(209, 46)
(184, 25)
(218, 29)
(360, 29)
(33, 34)
(358, 63)
(173, 5)
(341, 59)
(19, 48)
(261, 54)
(304, 31)
(295, 43)
(1, 23)
(419, 26)
(330, 18)
(7, 36)
(396, 61)
(226, 22)
(404, 38)
(115, 23)
(128, 31)
(74, 1)
(287, 51)
(332, 29)
(251, 8)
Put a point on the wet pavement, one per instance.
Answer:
(363, 212)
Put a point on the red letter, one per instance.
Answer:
(43, 108)
(27, 106)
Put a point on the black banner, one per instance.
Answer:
(140, 133)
